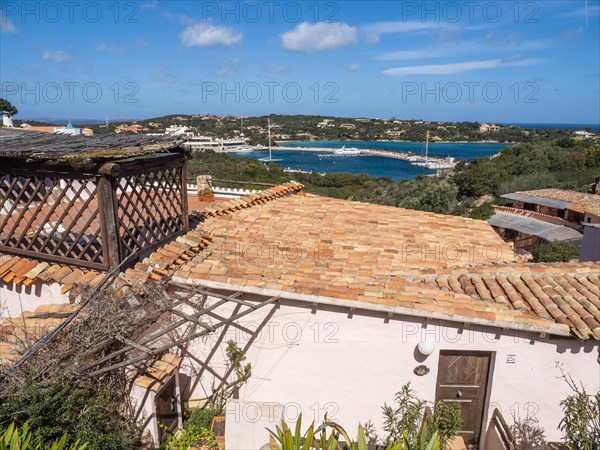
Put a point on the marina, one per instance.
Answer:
(377, 159)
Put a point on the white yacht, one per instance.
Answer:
(351, 151)
(242, 149)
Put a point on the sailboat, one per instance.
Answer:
(432, 163)
(420, 161)
(270, 158)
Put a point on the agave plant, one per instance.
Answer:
(14, 439)
(284, 439)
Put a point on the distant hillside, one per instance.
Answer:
(306, 128)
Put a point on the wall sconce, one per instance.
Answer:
(426, 347)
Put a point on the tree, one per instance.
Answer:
(482, 212)
(554, 252)
(7, 107)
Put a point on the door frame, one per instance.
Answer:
(489, 379)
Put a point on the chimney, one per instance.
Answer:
(205, 192)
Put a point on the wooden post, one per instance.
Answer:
(111, 244)
(184, 194)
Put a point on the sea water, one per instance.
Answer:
(375, 166)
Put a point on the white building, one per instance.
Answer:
(6, 119)
(330, 300)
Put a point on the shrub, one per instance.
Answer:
(482, 212)
(446, 421)
(82, 412)
(554, 252)
(14, 438)
(201, 418)
(186, 438)
(581, 421)
(404, 422)
(283, 438)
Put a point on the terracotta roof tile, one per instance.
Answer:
(582, 202)
(387, 256)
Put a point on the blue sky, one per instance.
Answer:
(506, 61)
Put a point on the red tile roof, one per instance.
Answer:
(26, 271)
(371, 256)
(582, 202)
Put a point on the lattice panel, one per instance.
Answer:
(55, 218)
(149, 208)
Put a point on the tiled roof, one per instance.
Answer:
(375, 257)
(163, 262)
(26, 271)
(566, 293)
(173, 255)
(157, 372)
(589, 203)
(314, 247)
(17, 333)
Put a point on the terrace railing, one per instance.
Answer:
(96, 219)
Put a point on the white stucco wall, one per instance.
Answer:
(16, 298)
(143, 401)
(327, 359)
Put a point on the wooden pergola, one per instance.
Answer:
(90, 201)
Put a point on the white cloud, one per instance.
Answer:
(354, 67)
(308, 38)
(449, 69)
(206, 35)
(6, 25)
(58, 56)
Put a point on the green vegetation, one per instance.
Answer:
(14, 438)
(198, 421)
(482, 212)
(403, 421)
(6, 106)
(424, 193)
(554, 252)
(581, 420)
(565, 164)
(190, 437)
(85, 412)
(306, 128)
(195, 430)
(338, 439)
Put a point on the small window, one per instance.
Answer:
(589, 219)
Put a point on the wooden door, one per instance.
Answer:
(463, 378)
(167, 413)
